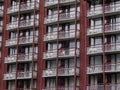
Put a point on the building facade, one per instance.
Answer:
(60, 44)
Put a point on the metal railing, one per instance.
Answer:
(20, 75)
(22, 40)
(23, 24)
(62, 35)
(62, 53)
(54, 2)
(62, 17)
(98, 9)
(98, 29)
(23, 7)
(61, 72)
(21, 58)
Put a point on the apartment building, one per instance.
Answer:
(60, 44)
(104, 47)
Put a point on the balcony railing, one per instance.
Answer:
(98, 9)
(107, 87)
(21, 88)
(54, 2)
(95, 49)
(111, 28)
(95, 30)
(0, 29)
(62, 17)
(61, 35)
(20, 75)
(22, 40)
(61, 88)
(1, 12)
(61, 72)
(62, 53)
(23, 24)
(94, 69)
(107, 68)
(23, 7)
(113, 47)
(95, 87)
(21, 58)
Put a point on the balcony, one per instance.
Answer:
(22, 41)
(111, 86)
(95, 87)
(1, 12)
(23, 7)
(61, 88)
(21, 58)
(97, 11)
(109, 48)
(0, 29)
(94, 69)
(62, 35)
(95, 30)
(109, 29)
(97, 49)
(62, 53)
(29, 23)
(113, 67)
(20, 75)
(63, 17)
(61, 72)
(51, 3)
(21, 88)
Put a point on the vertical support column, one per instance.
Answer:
(83, 44)
(40, 62)
(4, 50)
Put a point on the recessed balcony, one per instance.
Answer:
(1, 13)
(62, 53)
(63, 17)
(94, 69)
(24, 7)
(0, 29)
(97, 49)
(61, 72)
(110, 86)
(97, 11)
(109, 29)
(108, 48)
(28, 57)
(96, 87)
(95, 30)
(51, 3)
(108, 68)
(62, 35)
(61, 88)
(22, 40)
(23, 24)
(20, 75)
